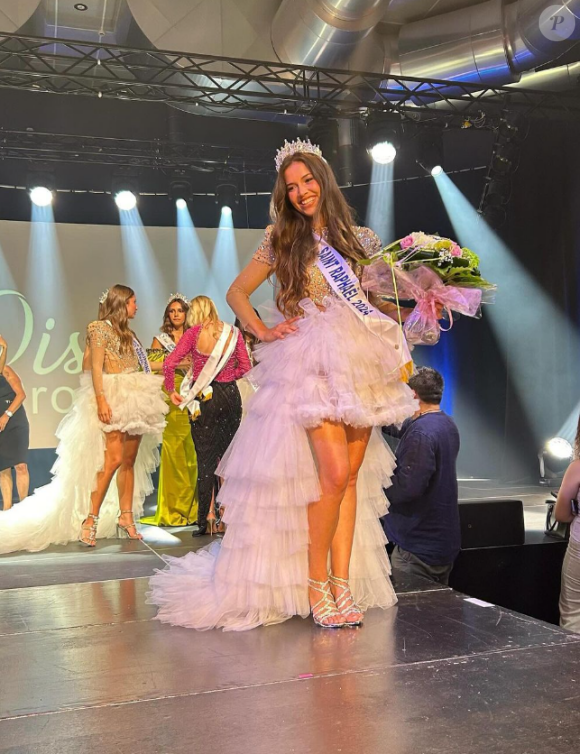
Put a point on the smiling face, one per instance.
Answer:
(302, 189)
(131, 307)
(176, 314)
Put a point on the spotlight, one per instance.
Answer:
(180, 189)
(41, 196)
(226, 193)
(125, 200)
(554, 459)
(384, 152)
(382, 138)
(430, 152)
(504, 157)
(226, 210)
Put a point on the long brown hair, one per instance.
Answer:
(167, 327)
(114, 309)
(292, 241)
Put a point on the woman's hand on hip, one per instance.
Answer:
(104, 410)
(288, 327)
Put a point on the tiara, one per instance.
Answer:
(104, 295)
(177, 296)
(296, 147)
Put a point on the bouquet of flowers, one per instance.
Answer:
(435, 272)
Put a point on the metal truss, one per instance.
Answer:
(220, 84)
(156, 154)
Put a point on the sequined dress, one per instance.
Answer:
(332, 368)
(54, 513)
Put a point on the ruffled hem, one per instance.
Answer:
(258, 575)
(54, 513)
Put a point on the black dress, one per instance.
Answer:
(15, 437)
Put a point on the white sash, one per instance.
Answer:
(213, 366)
(345, 283)
(166, 341)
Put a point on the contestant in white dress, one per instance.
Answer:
(304, 475)
(113, 427)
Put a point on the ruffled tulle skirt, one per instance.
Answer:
(54, 513)
(332, 368)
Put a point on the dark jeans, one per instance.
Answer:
(406, 561)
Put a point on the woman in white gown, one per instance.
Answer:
(113, 428)
(304, 475)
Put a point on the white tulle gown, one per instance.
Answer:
(332, 368)
(54, 513)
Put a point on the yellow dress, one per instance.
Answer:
(177, 491)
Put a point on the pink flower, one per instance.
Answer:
(456, 250)
(407, 241)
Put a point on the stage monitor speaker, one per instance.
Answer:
(491, 523)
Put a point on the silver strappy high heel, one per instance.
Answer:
(324, 612)
(91, 539)
(345, 602)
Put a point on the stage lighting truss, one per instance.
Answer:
(64, 66)
(554, 458)
(509, 135)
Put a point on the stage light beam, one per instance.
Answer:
(125, 200)
(383, 153)
(41, 196)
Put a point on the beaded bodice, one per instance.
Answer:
(318, 288)
(100, 334)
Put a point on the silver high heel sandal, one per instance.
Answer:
(123, 531)
(91, 540)
(324, 612)
(345, 603)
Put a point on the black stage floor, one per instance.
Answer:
(83, 667)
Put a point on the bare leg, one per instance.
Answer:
(341, 548)
(126, 483)
(22, 480)
(329, 442)
(113, 459)
(6, 488)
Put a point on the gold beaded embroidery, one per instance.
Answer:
(101, 335)
(318, 288)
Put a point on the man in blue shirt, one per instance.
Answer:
(423, 518)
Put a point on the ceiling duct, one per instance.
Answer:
(330, 33)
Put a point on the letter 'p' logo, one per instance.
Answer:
(557, 23)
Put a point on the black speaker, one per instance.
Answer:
(491, 523)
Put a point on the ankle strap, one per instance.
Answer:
(318, 585)
(338, 580)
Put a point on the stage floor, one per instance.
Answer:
(84, 667)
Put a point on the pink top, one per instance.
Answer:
(236, 366)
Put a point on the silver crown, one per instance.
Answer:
(296, 147)
(179, 296)
(104, 295)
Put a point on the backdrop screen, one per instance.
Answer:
(51, 278)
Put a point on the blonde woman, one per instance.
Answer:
(112, 429)
(304, 476)
(177, 488)
(216, 415)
